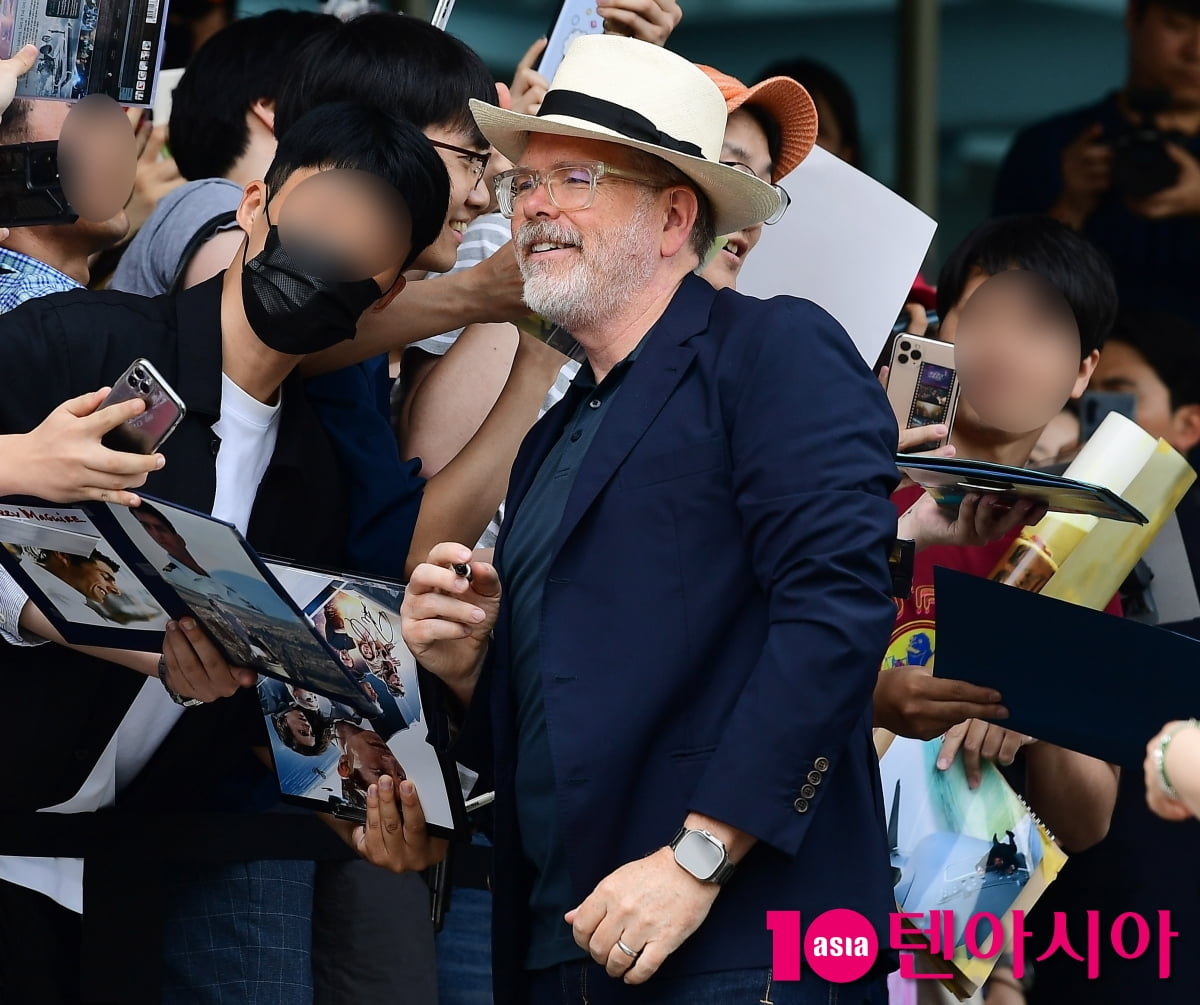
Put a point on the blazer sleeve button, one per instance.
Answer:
(807, 792)
(815, 777)
(821, 764)
(800, 805)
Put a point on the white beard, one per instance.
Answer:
(612, 269)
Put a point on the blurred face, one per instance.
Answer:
(1164, 52)
(745, 143)
(583, 266)
(469, 196)
(367, 758)
(301, 731)
(1123, 369)
(1017, 354)
(103, 180)
(343, 215)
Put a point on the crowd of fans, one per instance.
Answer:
(676, 524)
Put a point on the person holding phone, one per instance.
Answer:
(63, 459)
(251, 451)
(1074, 794)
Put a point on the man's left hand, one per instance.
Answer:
(1182, 198)
(652, 905)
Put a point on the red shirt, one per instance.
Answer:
(914, 636)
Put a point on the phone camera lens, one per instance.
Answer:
(139, 373)
(133, 381)
(916, 354)
(905, 346)
(901, 358)
(144, 387)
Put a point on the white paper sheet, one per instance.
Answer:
(847, 243)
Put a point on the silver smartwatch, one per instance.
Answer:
(703, 855)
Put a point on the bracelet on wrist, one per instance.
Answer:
(174, 695)
(1160, 756)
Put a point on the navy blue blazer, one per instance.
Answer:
(712, 626)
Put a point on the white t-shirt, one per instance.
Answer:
(248, 430)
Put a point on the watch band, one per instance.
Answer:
(723, 871)
(174, 695)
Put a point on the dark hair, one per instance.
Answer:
(316, 723)
(366, 138)
(1052, 250)
(145, 507)
(819, 79)
(14, 123)
(394, 61)
(1138, 8)
(77, 560)
(770, 127)
(1170, 345)
(239, 65)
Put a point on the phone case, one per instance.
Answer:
(923, 383)
(574, 18)
(145, 433)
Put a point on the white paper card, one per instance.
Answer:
(846, 243)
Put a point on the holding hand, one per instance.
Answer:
(1086, 176)
(980, 741)
(63, 460)
(528, 86)
(447, 619)
(193, 667)
(1182, 198)
(979, 520)
(911, 702)
(11, 70)
(650, 20)
(155, 176)
(395, 835)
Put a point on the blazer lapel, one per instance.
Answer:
(647, 387)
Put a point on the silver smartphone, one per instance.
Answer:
(145, 433)
(923, 383)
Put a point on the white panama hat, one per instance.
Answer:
(622, 90)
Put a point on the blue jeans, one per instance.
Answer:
(240, 934)
(464, 950)
(588, 984)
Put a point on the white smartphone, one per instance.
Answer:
(574, 18)
(923, 384)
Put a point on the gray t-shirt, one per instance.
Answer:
(154, 256)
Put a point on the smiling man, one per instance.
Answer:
(679, 528)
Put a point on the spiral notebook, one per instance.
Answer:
(960, 850)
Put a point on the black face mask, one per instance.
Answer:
(294, 311)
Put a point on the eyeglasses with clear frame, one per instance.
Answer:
(785, 200)
(570, 186)
(475, 162)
